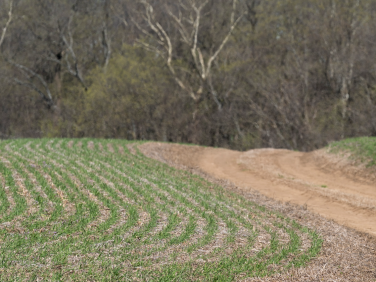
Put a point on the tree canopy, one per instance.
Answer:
(239, 74)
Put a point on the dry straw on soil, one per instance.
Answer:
(346, 255)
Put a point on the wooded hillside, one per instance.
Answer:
(242, 74)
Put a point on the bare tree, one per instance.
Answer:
(186, 17)
(347, 21)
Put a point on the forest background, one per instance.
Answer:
(239, 74)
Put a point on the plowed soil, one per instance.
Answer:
(325, 185)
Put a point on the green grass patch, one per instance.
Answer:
(362, 149)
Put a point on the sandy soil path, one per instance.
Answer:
(308, 179)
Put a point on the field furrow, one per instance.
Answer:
(87, 209)
(7, 200)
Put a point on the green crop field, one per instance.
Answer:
(92, 210)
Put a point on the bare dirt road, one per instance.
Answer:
(325, 185)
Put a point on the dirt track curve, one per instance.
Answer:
(315, 180)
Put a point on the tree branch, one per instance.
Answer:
(30, 74)
(194, 49)
(212, 58)
(188, 27)
(73, 71)
(32, 86)
(7, 24)
(106, 38)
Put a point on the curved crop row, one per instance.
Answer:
(94, 210)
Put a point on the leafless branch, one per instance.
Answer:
(75, 71)
(29, 74)
(188, 27)
(165, 41)
(214, 94)
(148, 47)
(31, 86)
(182, 29)
(195, 50)
(7, 24)
(225, 40)
(106, 38)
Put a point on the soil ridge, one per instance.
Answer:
(324, 184)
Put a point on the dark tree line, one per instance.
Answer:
(242, 74)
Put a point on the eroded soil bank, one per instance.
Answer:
(322, 183)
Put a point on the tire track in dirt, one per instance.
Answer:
(286, 176)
